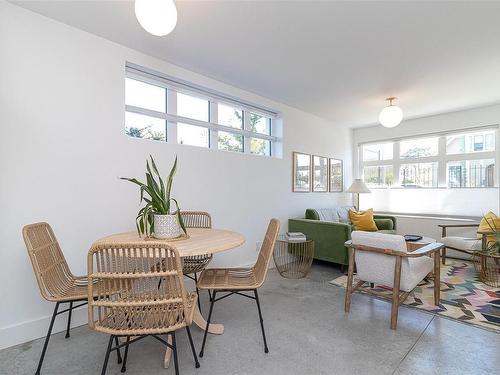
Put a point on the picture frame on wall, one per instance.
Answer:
(301, 173)
(336, 175)
(320, 174)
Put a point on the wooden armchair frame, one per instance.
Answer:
(398, 297)
(444, 228)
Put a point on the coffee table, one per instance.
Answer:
(415, 245)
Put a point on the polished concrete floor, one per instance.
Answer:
(308, 333)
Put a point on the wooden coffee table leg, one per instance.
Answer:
(199, 320)
(168, 353)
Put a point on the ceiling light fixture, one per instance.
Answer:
(391, 115)
(157, 17)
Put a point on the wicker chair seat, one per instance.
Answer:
(195, 264)
(146, 320)
(228, 278)
(72, 290)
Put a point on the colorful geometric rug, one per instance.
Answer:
(463, 296)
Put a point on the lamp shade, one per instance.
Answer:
(358, 186)
(391, 116)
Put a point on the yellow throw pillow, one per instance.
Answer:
(363, 220)
(484, 225)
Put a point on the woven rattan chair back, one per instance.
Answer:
(49, 265)
(266, 252)
(130, 300)
(196, 219)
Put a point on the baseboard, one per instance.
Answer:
(22, 332)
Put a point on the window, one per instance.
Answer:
(260, 146)
(161, 108)
(373, 152)
(471, 173)
(418, 175)
(418, 148)
(378, 176)
(230, 142)
(140, 126)
(483, 141)
(140, 94)
(453, 160)
(260, 124)
(192, 135)
(192, 107)
(230, 116)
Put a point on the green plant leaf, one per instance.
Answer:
(170, 180)
(179, 216)
(155, 169)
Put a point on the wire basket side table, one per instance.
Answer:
(293, 259)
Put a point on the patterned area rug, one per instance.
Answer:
(463, 296)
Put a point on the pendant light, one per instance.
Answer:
(391, 115)
(157, 17)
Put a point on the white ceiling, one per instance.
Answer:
(338, 60)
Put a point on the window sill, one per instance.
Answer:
(466, 219)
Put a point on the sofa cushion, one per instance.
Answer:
(328, 214)
(461, 243)
(336, 214)
(384, 224)
(363, 220)
(489, 221)
(343, 213)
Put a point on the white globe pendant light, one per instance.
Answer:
(391, 115)
(157, 17)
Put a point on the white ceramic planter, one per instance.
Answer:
(166, 227)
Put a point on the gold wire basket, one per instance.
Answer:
(487, 265)
(293, 259)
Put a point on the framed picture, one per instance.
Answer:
(301, 172)
(320, 174)
(336, 168)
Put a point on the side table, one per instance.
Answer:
(293, 258)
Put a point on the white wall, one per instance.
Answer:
(63, 148)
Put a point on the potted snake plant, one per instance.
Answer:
(157, 217)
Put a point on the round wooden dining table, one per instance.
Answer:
(199, 241)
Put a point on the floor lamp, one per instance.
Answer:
(358, 187)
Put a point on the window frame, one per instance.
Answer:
(172, 87)
(441, 159)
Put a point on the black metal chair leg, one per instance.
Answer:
(40, 362)
(266, 350)
(197, 291)
(176, 361)
(108, 350)
(197, 364)
(208, 323)
(118, 354)
(124, 364)
(69, 319)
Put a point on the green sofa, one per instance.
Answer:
(329, 236)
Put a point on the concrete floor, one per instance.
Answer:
(308, 333)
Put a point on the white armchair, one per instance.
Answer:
(465, 245)
(384, 259)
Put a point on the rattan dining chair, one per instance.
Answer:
(131, 303)
(55, 280)
(239, 280)
(192, 265)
